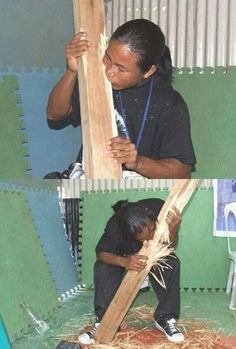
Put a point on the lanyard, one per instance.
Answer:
(124, 115)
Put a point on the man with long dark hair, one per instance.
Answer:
(157, 142)
(116, 251)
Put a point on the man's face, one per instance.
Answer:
(121, 66)
(147, 233)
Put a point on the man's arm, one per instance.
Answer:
(173, 219)
(132, 262)
(164, 168)
(123, 151)
(60, 99)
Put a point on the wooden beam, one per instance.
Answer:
(95, 92)
(133, 280)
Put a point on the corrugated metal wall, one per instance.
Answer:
(72, 188)
(200, 33)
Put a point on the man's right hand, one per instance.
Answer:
(136, 262)
(77, 47)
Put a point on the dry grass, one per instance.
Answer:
(138, 332)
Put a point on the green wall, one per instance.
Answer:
(203, 257)
(212, 104)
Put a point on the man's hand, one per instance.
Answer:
(77, 47)
(173, 220)
(123, 151)
(135, 262)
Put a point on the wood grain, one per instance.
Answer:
(95, 92)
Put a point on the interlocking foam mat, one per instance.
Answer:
(46, 213)
(50, 150)
(204, 258)
(37, 266)
(25, 273)
(12, 136)
(43, 204)
(212, 103)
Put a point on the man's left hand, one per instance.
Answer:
(123, 151)
(173, 219)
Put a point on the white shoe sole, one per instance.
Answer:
(84, 339)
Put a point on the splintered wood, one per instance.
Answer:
(96, 103)
(178, 197)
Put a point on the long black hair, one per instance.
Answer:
(132, 217)
(147, 41)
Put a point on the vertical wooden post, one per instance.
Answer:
(133, 280)
(95, 91)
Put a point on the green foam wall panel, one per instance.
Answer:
(12, 156)
(203, 257)
(204, 262)
(25, 274)
(212, 103)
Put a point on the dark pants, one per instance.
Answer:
(107, 280)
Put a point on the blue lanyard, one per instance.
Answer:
(145, 115)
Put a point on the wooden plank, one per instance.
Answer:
(133, 280)
(95, 91)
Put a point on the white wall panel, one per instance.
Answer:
(129, 10)
(181, 33)
(232, 32)
(154, 11)
(171, 33)
(190, 59)
(72, 188)
(163, 15)
(199, 33)
(212, 30)
(222, 33)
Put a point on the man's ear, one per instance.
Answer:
(151, 71)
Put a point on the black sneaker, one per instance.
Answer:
(168, 327)
(68, 345)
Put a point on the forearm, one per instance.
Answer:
(60, 99)
(165, 168)
(111, 259)
(173, 219)
(173, 239)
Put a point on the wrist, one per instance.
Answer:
(133, 166)
(138, 164)
(71, 72)
(120, 261)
